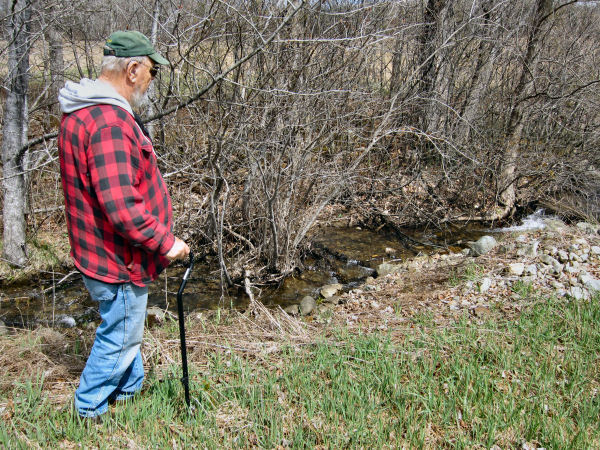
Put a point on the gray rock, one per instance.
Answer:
(465, 251)
(506, 247)
(531, 269)
(482, 246)
(574, 256)
(595, 250)
(292, 310)
(589, 282)
(155, 315)
(516, 269)
(330, 290)
(333, 300)
(563, 256)
(587, 227)
(485, 285)
(3, 329)
(554, 224)
(549, 260)
(530, 250)
(570, 269)
(66, 322)
(557, 268)
(307, 305)
(577, 293)
(584, 257)
(387, 268)
(557, 285)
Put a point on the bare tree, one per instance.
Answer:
(15, 132)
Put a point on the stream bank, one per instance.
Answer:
(338, 255)
(343, 261)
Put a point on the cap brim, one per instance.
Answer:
(158, 59)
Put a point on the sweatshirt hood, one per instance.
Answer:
(75, 96)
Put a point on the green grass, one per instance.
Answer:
(471, 272)
(504, 382)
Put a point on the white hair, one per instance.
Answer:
(112, 64)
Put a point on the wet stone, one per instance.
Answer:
(292, 310)
(66, 322)
(333, 300)
(482, 246)
(330, 290)
(307, 305)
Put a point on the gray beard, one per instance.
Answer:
(139, 99)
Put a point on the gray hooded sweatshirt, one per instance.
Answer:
(75, 96)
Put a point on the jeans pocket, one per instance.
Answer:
(99, 290)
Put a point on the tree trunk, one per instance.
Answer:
(15, 133)
(152, 89)
(507, 178)
(56, 64)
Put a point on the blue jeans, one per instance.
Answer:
(114, 369)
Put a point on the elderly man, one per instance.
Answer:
(118, 211)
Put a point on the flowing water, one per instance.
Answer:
(342, 255)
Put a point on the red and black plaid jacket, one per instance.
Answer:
(118, 210)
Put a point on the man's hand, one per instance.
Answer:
(179, 250)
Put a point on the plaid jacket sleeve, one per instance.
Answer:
(115, 173)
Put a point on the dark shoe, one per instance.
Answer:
(95, 420)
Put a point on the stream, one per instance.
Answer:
(340, 255)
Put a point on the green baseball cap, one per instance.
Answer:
(131, 43)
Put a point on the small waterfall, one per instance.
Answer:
(533, 221)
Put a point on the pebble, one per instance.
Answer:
(563, 256)
(485, 285)
(531, 269)
(292, 310)
(547, 259)
(577, 293)
(589, 282)
(66, 322)
(516, 269)
(530, 250)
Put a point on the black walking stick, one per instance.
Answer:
(184, 379)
